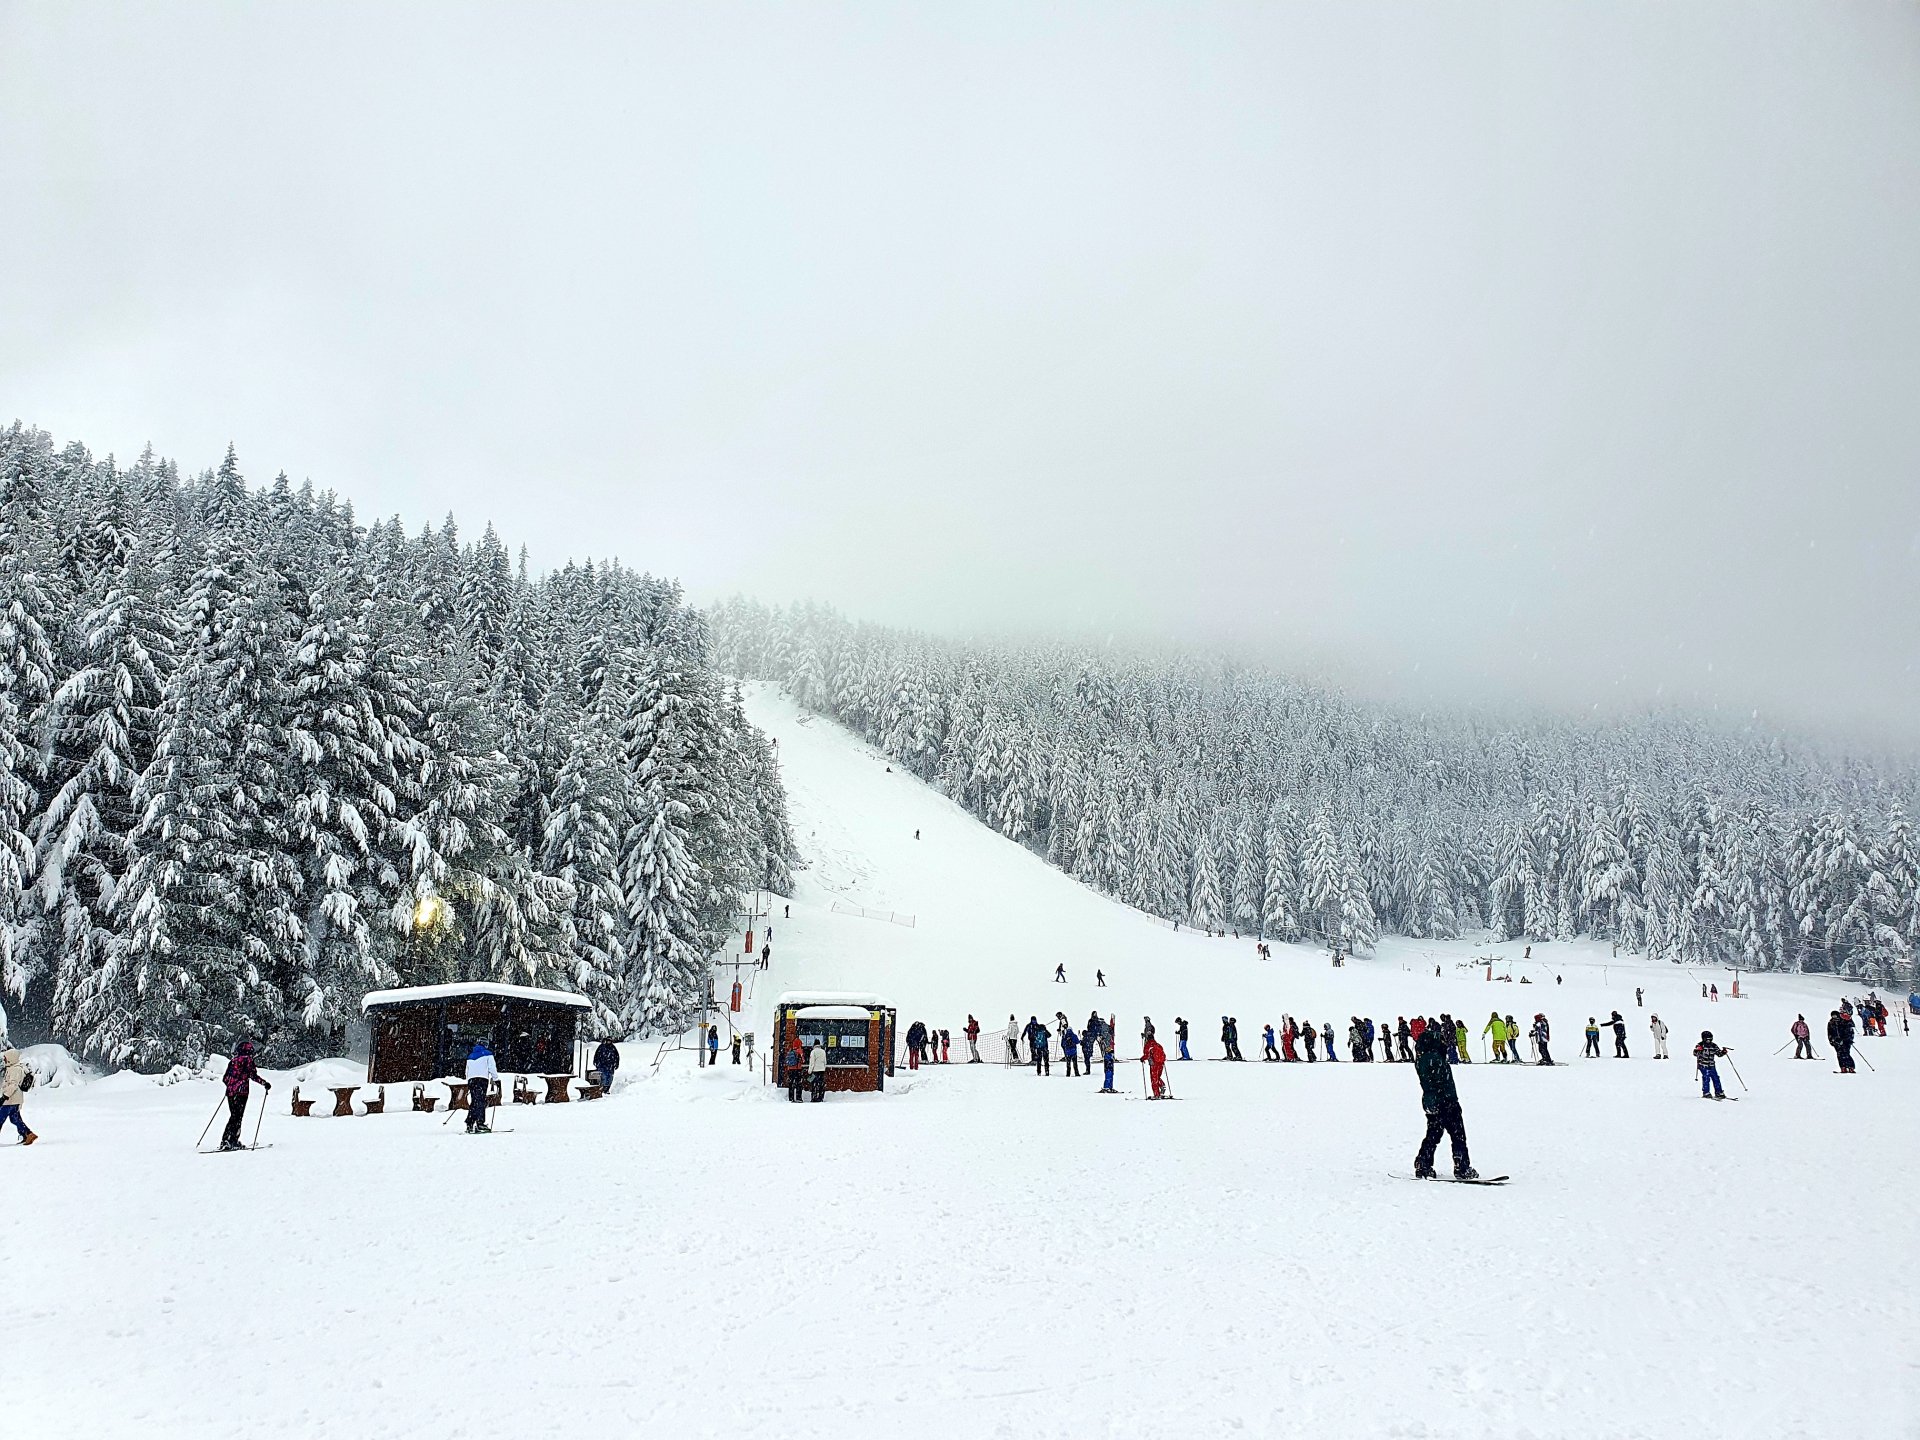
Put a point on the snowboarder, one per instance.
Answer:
(13, 1089)
(1541, 1033)
(1272, 1051)
(1099, 979)
(1060, 973)
(1403, 1035)
(1802, 1038)
(1442, 1105)
(972, 1032)
(241, 1073)
(1070, 1048)
(1180, 1036)
(1013, 1041)
(817, 1071)
(1840, 1036)
(606, 1060)
(793, 1065)
(1659, 1029)
(481, 1073)
(1156, 1057)
(1705, 1058)
(1593, 1040)
(916, 1038)
(1619, 1036)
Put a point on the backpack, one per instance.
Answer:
(26, 1082)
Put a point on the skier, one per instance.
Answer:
(1659, 1029)
(1593, 1040)
(1326, 1035)
(972, 1032)
(946, 1048)
(13, 1089)
(1180, 1036)
(1713, 993)
(1060, 973)
(1639, 997)
(1840, 1036)
(1442, 1104)
(1070, 1048)
(1460, 1041)
(713, 1045)
(1037, 1039)
(916, 1037)
(1705, 1056)
(241, 1073)
(1497, 1028)
(1272, 1052)
(793, 1065)
(1802, 1038)
(1227, 1046)
(817, 1070)
(1307, 1035)
(606, 1060)
(1513, 1041)
(1619, 1036)
(481, 1073)
(766, 956)
(1099, 979)
(1156, 1057)
(1106, 1061)
(1356, 1040)
(1289, 1038)
(1541, 1033)
(1386, 1041)
(1403, 1034)
(1013, 1041)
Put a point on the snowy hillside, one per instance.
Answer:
(981, 1252)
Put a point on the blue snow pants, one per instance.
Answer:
(1710, 1075)
(12, 1112)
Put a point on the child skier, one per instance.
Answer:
(1180, 1036)
(1593, 1040)
(1326, 1034)
(241, 1073)
(1442, 1105)
(1541, 1032)
(1706, 1056)
(1272, 1051)
(1106, 1061)
(1156, 1057)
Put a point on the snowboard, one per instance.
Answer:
(1449, 1180)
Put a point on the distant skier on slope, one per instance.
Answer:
(481, 1073)
(1037, 1046)
(1460, 1042)
(1309, 1037)
(1060, 973)
(1289, 1039)
(1230, 1037)
(1802, 1038)
(1099, 979)
(1659, 1029)
(239, 1079)
(1156, 1057)
(1706, 1056)
(1442, 1105)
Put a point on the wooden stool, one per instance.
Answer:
(301, 1107)
(424, 1101)
(379, 1106)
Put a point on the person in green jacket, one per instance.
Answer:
(1460, 1041)
(1442, 1103)
(1497, 1028)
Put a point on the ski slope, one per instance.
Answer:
(981, 1252)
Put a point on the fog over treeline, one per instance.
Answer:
(258, 758)
(1227, 795)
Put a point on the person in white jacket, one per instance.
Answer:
(1013, 1041)
(817, 1071)
(12, 1092)
(481, 1073)
(1659, 1028)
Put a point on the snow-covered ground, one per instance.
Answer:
(982, 1252)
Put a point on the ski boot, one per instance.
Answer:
(1424, 1172)
(1466, 1172)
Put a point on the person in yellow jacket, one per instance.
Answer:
(1497, 1028)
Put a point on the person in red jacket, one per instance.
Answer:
(241, 1073)
(1155, 1054)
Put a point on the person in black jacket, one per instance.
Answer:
(1619, 1036)
(916, 1043)
(606, 1060)
(1442, 1104)
(1840, 1036)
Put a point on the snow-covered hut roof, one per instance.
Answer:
(477, 987)
(794, 998)
(834, 1012)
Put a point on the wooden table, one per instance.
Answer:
(557, 1088)
(343, 1098)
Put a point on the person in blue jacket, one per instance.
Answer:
(1042, 1061)
(481, 1073)
(1273, 1052)
(1070, 1048)
(713, 1044)
(1106, 1061)
(606, 1060)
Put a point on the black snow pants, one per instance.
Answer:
(236, 1112)
(1844, 1054)
(479, 1091)
(1449, 1122)
(819, 1086)
(1803, 1049)
(1620, 1047)
(1546, 1055)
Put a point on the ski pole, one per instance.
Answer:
(260, 1120)
(1864, 1061)
(1735, 1068)
(210, 1119)
(1783, 1047)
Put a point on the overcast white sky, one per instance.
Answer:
(1566, 353)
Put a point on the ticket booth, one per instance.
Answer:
(857, 1031)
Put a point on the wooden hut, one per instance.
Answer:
(426, 1033)
(857, 1031)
